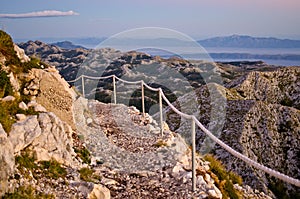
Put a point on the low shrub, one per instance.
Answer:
(224, 180)
(53, 169)
(50, 169)
(84, 155)
(7, 49)
(88, 175)
(8, 111)
(5, 85)
(25, 160)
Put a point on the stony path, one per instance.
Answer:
(135, 160)
(123, 140)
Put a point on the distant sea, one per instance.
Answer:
(261, 51)
(272, 56)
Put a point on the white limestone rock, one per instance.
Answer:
(23, 133)
(23, 106)
(21, 54)
(7, 161)
(8, 98)
(99, 192)
(46, 136)
(20, 117)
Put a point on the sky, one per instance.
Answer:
(198, 19)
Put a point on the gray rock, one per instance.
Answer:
(21, 54)
(47, 137)
(7, 161)
(23, 133)
(14, 82)
(23, 106)
(99, 192)
(39, 108)
(20, 117)
(54, 140)
(8, 98)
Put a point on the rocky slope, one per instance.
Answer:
(47, 131)
(260, 119)
(256, 108)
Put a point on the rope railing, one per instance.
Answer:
(194, 122)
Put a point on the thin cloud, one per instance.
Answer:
(45, 13)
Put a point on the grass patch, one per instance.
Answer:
(5, 85)
(84, 155)
(88, 175)
(27, 193)
(50, 169)
(7, 49)
(160, 143)
(224, 180)
(53, 169)
(25, 160)
(33, 63)
(8, 111)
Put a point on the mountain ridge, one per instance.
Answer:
(245, 41)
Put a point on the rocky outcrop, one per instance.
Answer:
(7, 161)
(255, 124)
(46, 136)
(21, 54)
(99, 192)
(53, 92)
(278, 87)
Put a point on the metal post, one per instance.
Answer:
(82, 84)
(143, 98)
(193, 155)
(115, 90)
(161, 113)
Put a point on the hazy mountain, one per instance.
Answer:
(241, 41)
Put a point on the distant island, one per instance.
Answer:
(242, 41)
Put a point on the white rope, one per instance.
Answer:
(128, 82)
(207, 132)
(90, 77)
(150, 88)
(246, 159)
(173, 107)
(74, 80)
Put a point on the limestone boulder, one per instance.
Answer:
(46, 136)
(55, 94)
(99, 192)
(23, 133)
(55, 140)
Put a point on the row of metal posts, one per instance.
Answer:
(161, 122)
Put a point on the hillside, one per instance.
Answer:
(261, 121)
(56, 144)
(100, 149)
